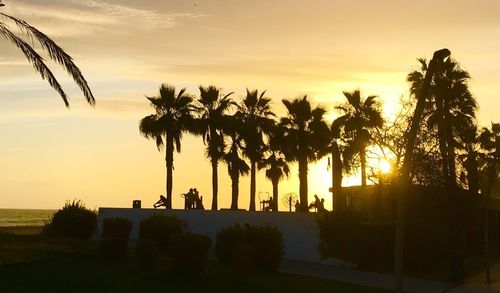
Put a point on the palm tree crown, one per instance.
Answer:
(360, 116)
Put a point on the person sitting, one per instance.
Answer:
(189, 199)
(161, 202)
(316, 203)
(321, 206)
(268, 204)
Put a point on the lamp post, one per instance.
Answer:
(404, 180)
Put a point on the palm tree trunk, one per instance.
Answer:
(362, 154)
(169, 160)
(234, 190)
(303, 183)
(338, 202)
(215, 184)
(253, 174)
(275, 194)
(451, 158)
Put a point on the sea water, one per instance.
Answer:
(21, 217)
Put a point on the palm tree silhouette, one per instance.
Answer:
(305, 139)
(54, 52)
(256, 115)
(172, 117)
(336, 149)
(360, 117)
(452, 108)
(236, 166)
(277, 166)
(212, 109)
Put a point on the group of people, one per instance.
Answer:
(318, 205)
(193, 200)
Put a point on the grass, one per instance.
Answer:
(31, 263)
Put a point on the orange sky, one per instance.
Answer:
(49, 154)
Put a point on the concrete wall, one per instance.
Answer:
(299, 230)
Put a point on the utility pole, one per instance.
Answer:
(404, 181)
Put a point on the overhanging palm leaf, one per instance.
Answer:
(55, 53)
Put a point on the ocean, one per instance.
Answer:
(20, 217)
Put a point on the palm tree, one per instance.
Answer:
(54, 52)
(451, 109)
(305, 139)
(360, 117)
(212, 109)
(172, 117)
(236, 166)
(256, 114)
(276, 163)
(336, 160)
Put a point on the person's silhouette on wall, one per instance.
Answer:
(161, 202)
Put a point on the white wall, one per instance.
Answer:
(300, 232)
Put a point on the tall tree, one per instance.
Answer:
(361, 117)
(56, 53)
(450, 109)
(212, 108)
(257, 117)
(236, 166)
(305, 139)
(172, 117)
(275, 162)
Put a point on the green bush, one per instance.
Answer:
(116, 227)
(74, 220)
(159, 228)
(189, 253)
(113, 247)
(260, 247)
(147, 251)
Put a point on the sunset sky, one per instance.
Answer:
(126, 49)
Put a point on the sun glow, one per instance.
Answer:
(385, 166)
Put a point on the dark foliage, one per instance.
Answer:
(147, 252)
(258, 246)
(189, 253)
(113, 248)
(442, 228)
(344, 236)
(115, 233)
(74, 220)
(116, 227)
(159, 228)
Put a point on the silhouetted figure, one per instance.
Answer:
(321, 206)
(268, 204)
(189, 199)
(161, 202)
(199, 203)
(315, 204)
(297, 206)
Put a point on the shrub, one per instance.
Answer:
(250, 246)
(268, 243)
(115, 232)
(159, 228)
(189, 252)
(116, 227)
(113, 247)
(147, 251)
(73, 220)
(344, 236)
(228, 238)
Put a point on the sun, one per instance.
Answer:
(385, 166)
